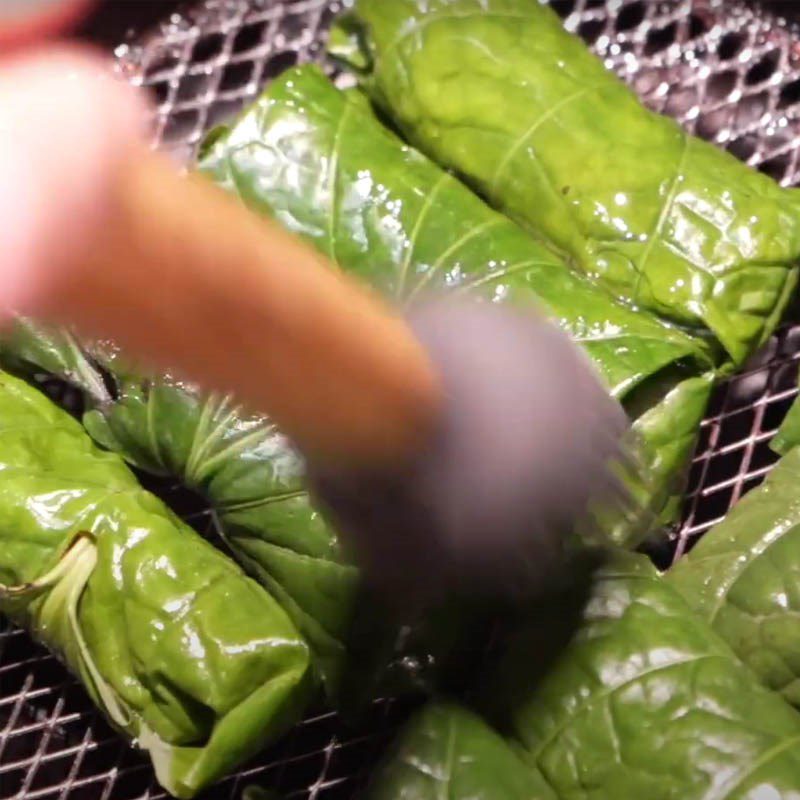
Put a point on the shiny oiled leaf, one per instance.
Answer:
(181, 651)
(667, 435)
(648, 702)
(446, 751)
(788, 435)
(253, 480)
(388, 214)
(499, 91)
(400, 222)
(248, 472)
(393, 217)
(28, 345)
(743, 577)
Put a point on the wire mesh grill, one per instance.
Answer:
(728, 72)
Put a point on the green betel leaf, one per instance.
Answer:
(253, 479)
(446, 751)
(788, 435)
(648, 702)
(500, 92)
(667, 434)
(391, 216)
(28, 346)
(387, 213)
(743, 578)
(186, 655)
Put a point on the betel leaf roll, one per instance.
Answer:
(190, 658)
(647, 702)
(445, 750)
(668, 434)
(788, 435)
(247, 471)
(385, 212)
(500, 92)
(743, 577)
(316, 159)
(253, 479)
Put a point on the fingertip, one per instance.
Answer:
(73, 81)
(18, 236)
(66, 126)
(19, 29)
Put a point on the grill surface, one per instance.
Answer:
(727, 72)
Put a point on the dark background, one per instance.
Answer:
(787, 8)
(114, 18)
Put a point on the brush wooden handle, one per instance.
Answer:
(185, 278)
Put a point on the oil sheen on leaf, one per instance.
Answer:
(182, 652)
(400, 222)
(500, 92)
(391, 216)
(743, 578)
(647, 701)
(448, 751)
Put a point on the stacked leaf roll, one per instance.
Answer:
(448, 751)
(499, 91)
(394, 218)
(743, 577)
(664, 258)
(181, 651)
(247, 470)
(386, 213)
(647, 702)
(391, 216)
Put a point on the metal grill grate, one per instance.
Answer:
(729, 73)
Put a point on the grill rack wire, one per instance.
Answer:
(727, 72)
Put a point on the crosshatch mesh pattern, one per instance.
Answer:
(727, 72)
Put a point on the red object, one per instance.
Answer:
(41, 22)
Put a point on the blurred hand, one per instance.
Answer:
(26, 21)
(66, 127)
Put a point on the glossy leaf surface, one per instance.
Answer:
(743, 577)
(446, 751)
(788, 435)
(648, 701)
(253, 481)
(181, 651)
(500, 92)
(645, 702)
(390, 215)
(667, 434)
(386, 212)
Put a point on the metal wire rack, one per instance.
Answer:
(728, 72)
